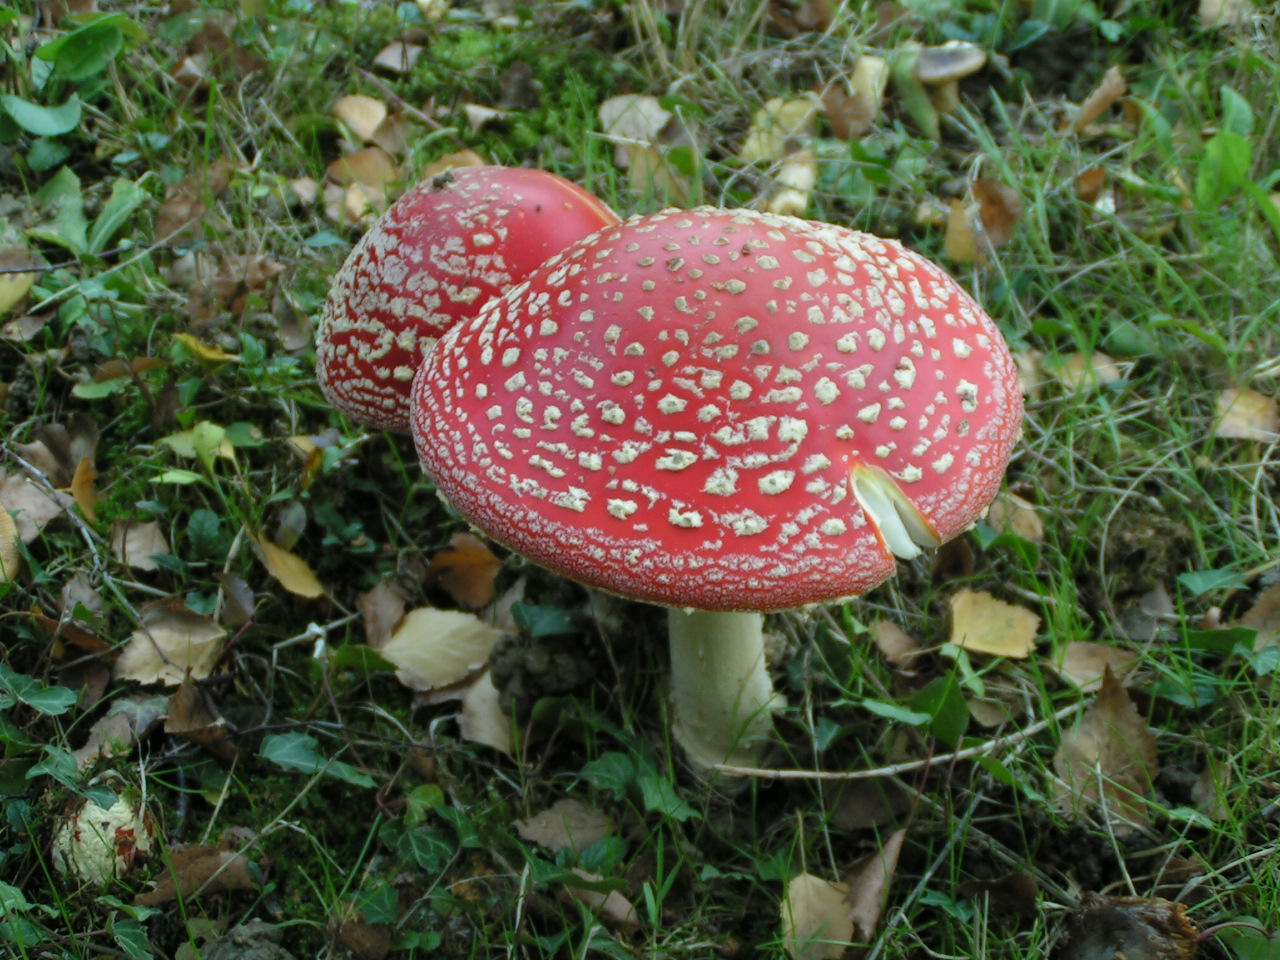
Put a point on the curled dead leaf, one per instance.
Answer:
(1264, 618)
(31, 505)
(612, 907)
(1104, 95)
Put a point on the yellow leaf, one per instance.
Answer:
(290, 570)
(1248, 415)
(362, 114)
(961, 241)
(204, 351)
(982, 624)
(10, 559)
(14, 286)
(82, 488)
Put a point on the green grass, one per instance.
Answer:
(1179, 284)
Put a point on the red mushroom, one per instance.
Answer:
(434, 258)
(722, 411)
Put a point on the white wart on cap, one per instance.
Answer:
(434, 258)
(722, 410)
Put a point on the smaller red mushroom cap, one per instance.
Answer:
(433, 259)
(722, 410)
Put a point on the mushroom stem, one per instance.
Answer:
(721, 693)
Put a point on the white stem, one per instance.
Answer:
(720, 687)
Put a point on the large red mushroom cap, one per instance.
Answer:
(433, 259)
(722, 410)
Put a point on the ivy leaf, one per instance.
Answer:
(18, 688)
(297, 751)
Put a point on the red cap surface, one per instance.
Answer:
(434, 258)
(674, 409)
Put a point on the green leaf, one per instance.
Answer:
(297, 751)
(1223, 641)
(1200, 582)
(429, 847)
(126, 197)
(537, 622)
(179, 477)
(18, 688)
(58, 764)
(203, 529)
(891, 711)
(1237, 115)
(45, 154)
(62, 200)
(131, 938)
(944, 702)
(611, 771)
(659, 795)
(42, 121)
(98, 389)
(420, 801)
(1224, 167)
(85, 52)
(1256, 944)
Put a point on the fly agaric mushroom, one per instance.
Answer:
(433, 259)
(726, 412)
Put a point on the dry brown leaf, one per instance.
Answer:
(960, 243)
(169, 642)
(10, 558)
(435, 648)
(869, 886)
(1111, 89)
(129, 720)
(779, 127)
(1011, 514)
(1109, 757)
(1264, 617)
(184, 203)
(632, 120)
(566, 823)
(982, 624)
(188, 715)
(612, 907)
(199, 869)
(289, 570)
(84, 491)
(1084, 664)
(237, 600)
(371, 167)
(1090, 183)
(1247, 415)
(137, 544)
(1084, 372)
(382, 608)
(816, 923)
(852, 109)
(795, 181)
(467, 570)
(897, 646)
(483, 719)
(361, 114)
(1000, 207)
(398, 57)
(31, 505)
(365, 941)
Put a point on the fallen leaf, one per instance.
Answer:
(33, 507)
(128, 720)
(290, 570)
(185, 202)
(1090, 183)
(204, 351)
(796, 179)
(188, 715)
(1083, 372)
(869, 886)
(866, 804)
(361, 114)
(632, 120)
(612, 907)
(779, 127)
(982, 624)
(1000, 207)
(960, 243)
(83, 489)
(305, 189)
(1111, 89)
(370, 167)
(852, 108)
(1110, 756)
(169, 642)
(452, 161)
(10, 558)
(79, 593)
(816, 923)
(382, 608)
(566, 823)
(14, 286)
(1084, 664)
(1225, 13)
(237, 600)
(1247, 415)
(398, 57)
(394, 134)
(988, 713)
(138, 544)
(650, 175)
(897, 646)
(479, 116)
(467, 569)
(1011, 514)
(1264, 617)
(483, 720)
(435, 648)
(197, 869)
(1130, 927)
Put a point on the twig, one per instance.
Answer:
(896, 769)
